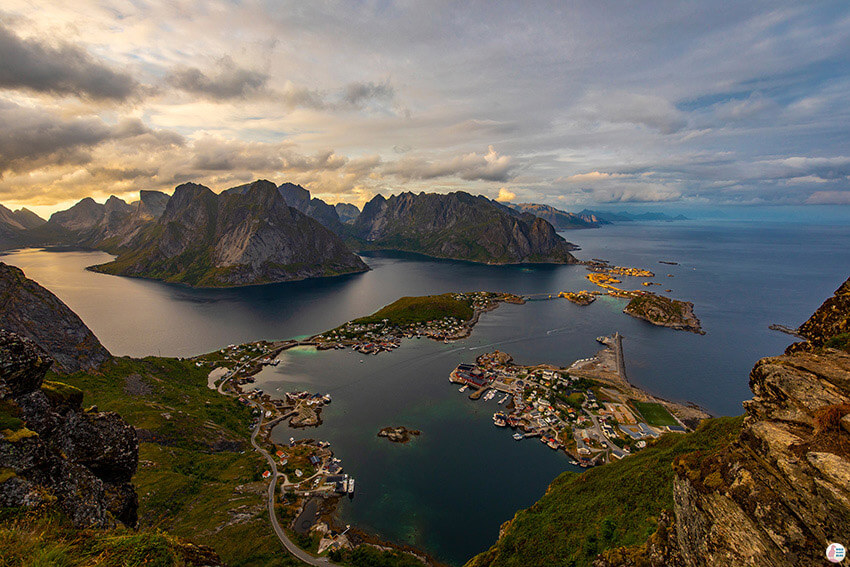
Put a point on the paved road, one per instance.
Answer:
(281, 535)
(598, 429)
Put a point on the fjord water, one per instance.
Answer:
(449, 490)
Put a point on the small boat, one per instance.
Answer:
(518, 436)
(503, 400)
(499, 419)
(351, 488)
(462, 388)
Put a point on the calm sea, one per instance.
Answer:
(449, 491)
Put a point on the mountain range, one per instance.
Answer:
(459, 226)
(244, 236)
(559, 219)
(607, 217)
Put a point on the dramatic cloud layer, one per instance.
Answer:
(572, 104)
(63, 69)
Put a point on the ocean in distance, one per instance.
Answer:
(449, 491)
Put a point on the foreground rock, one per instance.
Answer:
(33, 312)
(50, 449)
(664, 312)
(245, 236)
(398, 434)
(459, 226)
(780, 493)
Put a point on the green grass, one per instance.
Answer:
(841, 342)
(415, 310)
(197, 477)
(614, 505)
(49, 540)
(654, 414)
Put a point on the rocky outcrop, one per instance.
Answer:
(245, 236)
(28, 309)
(560, 220)
(664, 312)
(459, 226)
(52, 451)
(780, 493)
(299, 198)
(398, 434)
(347, 212)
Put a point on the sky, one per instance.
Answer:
(613, 105)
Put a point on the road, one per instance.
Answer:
(281, 535)
(598, 430)
(290, 545)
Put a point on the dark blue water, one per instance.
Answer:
(451, 489)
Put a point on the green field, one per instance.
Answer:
(615, 505)
(421, 309)
(654, 414)
(198, 477)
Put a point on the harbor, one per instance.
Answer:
(589, 410)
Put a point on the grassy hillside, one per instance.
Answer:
(615, 505)
(197, 477)
(49, 540)
(412, 310)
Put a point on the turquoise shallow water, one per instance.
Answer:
(451, 489)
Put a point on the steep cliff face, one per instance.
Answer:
(299, 198)
(459, 226)
(244, 236)
(781, 493)
(33, 312)
(51, 450)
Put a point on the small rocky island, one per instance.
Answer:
(664, 312)
(399, 434)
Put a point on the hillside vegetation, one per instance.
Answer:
(421, 309)
(197, 477)
(582, 515)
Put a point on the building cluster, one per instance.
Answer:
(565, 412)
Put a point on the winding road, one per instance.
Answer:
(278, 530)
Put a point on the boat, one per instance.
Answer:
(351, 488)
(518, 436)
(462, 388)
(503, 400)
(499, 419)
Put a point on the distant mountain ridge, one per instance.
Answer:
(561, 220)
(459, 226)
(244, 236)
(15, 224)
(607, 217)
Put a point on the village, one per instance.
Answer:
(592, 420)
(429, 318)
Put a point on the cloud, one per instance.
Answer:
(592, 176)
(227, 81)
(505, 196)
(64, 69)
(32, 138)
(359, 94)
(470, 167)
(829, 198)
(625, 107)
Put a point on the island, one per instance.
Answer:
(664, 312)
(398, 434)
